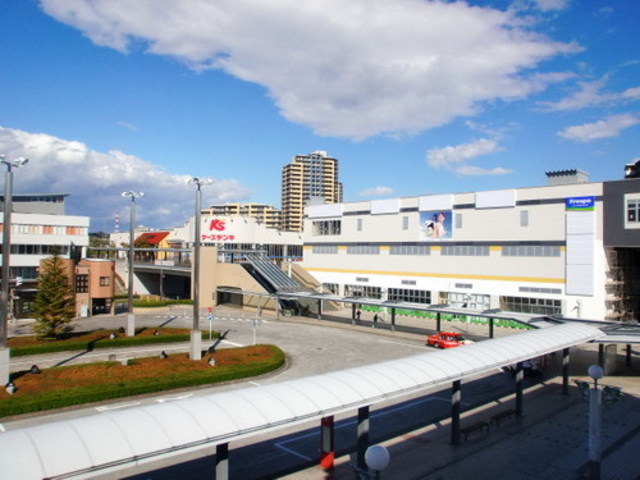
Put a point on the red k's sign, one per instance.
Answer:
(216, 224)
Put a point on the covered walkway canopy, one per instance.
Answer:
(118, 440)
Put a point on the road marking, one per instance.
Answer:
(281, 445)
(421, 347)
(256, 384)
(292, 452)
(172, 399)
(232, 343)
(116, 407)
(2, 429)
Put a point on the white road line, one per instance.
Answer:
(421, 347)
(292, 452)
(232, 343)
(106, 408)
(353, 422)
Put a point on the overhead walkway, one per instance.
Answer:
(117, 441)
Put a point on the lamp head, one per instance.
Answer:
(596, 372)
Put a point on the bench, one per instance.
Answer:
(504, 415)
(474, 427)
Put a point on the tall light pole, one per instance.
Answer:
(6, 251)
(595, 423)
(131, 321)
(196, 335)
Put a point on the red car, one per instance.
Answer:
(446, 340)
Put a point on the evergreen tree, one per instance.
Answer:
(54, 305)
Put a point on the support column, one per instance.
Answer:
(601, 354)
(393, 319)
(456, 397)
(353, 314)
(327, 452)
(519, 388)
(438, 322)
(565, 371)
(222, 461)
(491, 321)
(628, 356)
(363, 436)
(319, 309)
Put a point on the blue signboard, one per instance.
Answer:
(580, 203)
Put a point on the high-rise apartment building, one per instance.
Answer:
(266, 214)
(308, 180)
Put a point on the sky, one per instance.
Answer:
(413, 97)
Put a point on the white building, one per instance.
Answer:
(534, 250)
(38, 228)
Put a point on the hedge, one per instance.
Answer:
(65, 397)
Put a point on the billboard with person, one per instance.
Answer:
(435, 225)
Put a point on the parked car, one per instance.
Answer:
(446, 340)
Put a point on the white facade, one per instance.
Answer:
(532, 250)
(34, 237)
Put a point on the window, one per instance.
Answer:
(541, 306)
(458, 220)
(105, 281)
(331, 287)
(465, 250)
(531, 251)
(326, 227)
(363, 250)
(82, 283)
(324, 249)
(632, 205)
(405, 223)
(359, 225)
(362, 291)
(409, 295)
(409, 250)
(524, 218)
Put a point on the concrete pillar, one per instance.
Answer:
(222, 461)
(363, 436)
(438, 322)
(565, 371)
(519, 388)
(393, 319)
(491, 322)
(456, 398)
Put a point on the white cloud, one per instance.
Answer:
(376, 191)
(456, 158)
(95, 180)
(350, 69)
(545, 5)
(589, 95)
(608, 127)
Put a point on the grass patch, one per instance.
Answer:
(96, 339)
(59, 387)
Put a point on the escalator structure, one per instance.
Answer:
(274, 280)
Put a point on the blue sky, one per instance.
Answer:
(413, 97)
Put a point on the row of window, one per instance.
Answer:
(536, 306)
(48, 229)
(38, 249)
(450, 250)
(318, 228)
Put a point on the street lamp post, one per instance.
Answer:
(196, 335)
(131, 321)
(595, 422)
(6, 251)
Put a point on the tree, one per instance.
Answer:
(54, 305)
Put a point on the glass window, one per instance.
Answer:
(524, 218)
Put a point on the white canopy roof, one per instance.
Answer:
(116, 440)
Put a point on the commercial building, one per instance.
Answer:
(39, 227)
(308, 180)
(568, 248)
(263, 213)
